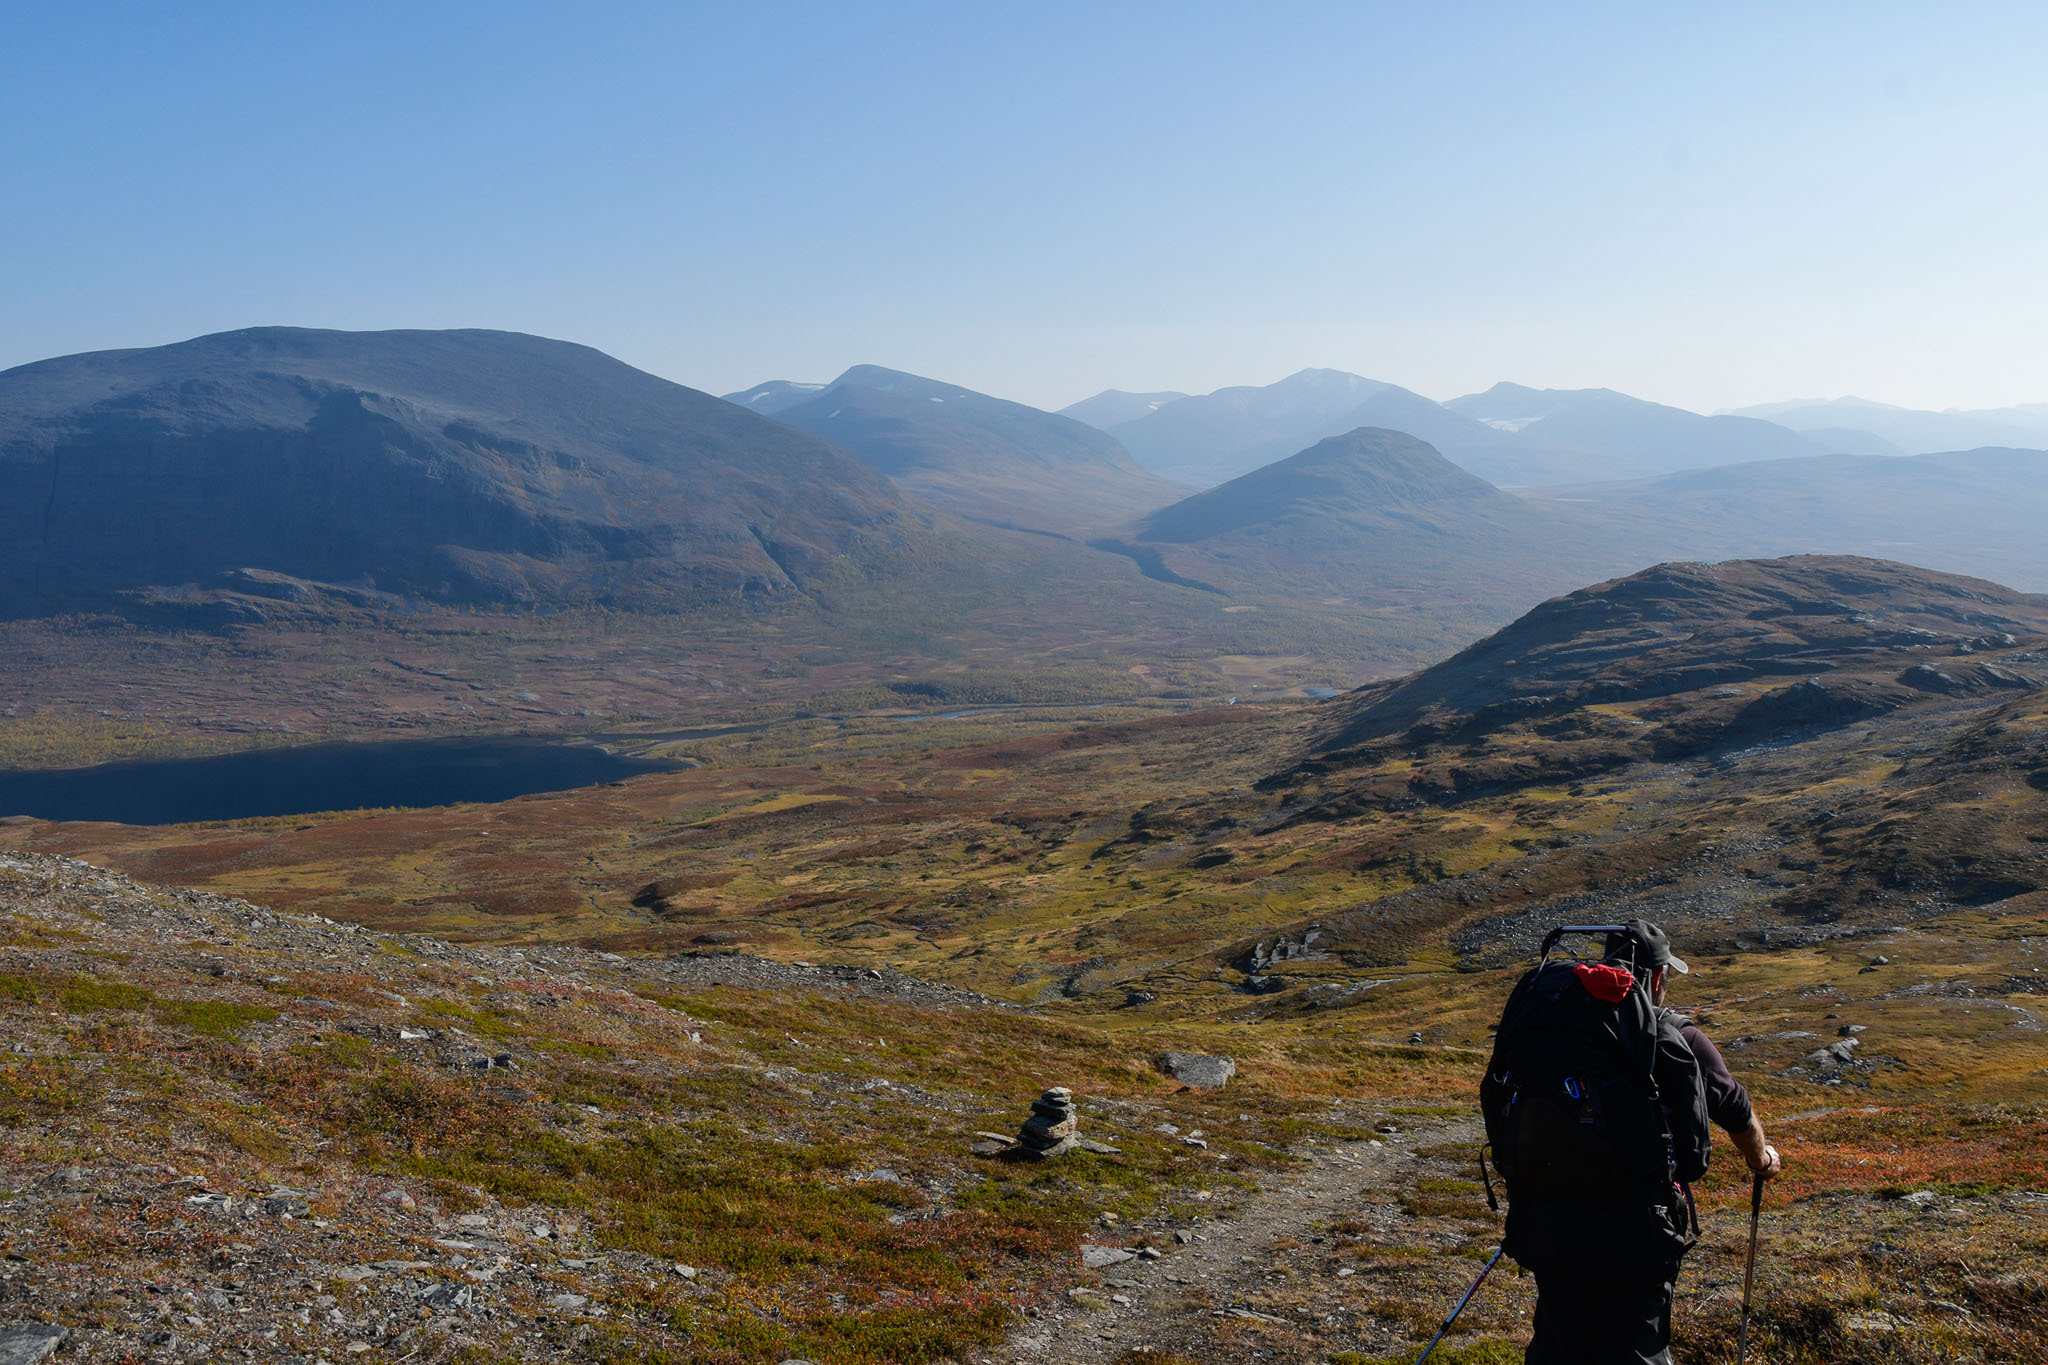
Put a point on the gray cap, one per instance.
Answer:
(1646, 945)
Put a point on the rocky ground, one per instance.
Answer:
(1297, 1268)
(240, 1134)
(148, 1240)
(236, 1134)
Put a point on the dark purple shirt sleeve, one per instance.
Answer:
(1727, 1102)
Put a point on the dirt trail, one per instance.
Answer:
(1293, 1271)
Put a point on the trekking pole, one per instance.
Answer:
(1460, 1308)
(1756, 1209)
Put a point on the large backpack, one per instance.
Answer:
(1589, 1101)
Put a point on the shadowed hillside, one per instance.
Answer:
(463, 466)
(979, 457)
(1562, 434)
(1113, 407)
(1975, 512)
(1375, 516)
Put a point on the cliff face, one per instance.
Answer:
(459, 466)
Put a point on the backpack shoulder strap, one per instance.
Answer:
(1685, 1095)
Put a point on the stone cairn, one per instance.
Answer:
(1052, 1128)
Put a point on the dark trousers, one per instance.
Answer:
(1615, 1319)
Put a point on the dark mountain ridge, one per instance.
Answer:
(469, 466)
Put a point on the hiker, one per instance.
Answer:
(1598, 1102)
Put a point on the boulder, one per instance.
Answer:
(1192, 1068)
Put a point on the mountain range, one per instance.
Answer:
(1511, 435)
(1907, 430)
(491, 468)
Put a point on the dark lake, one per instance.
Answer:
(315, 777)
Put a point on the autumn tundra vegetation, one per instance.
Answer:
(704, 1065)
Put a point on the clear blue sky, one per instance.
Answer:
(1706, 205)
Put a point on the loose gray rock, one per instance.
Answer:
(29, 1342)
(1192, 1068)
(284, 1203)
(1101, 1258)
(447, 1295)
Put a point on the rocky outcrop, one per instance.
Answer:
(1269, 953)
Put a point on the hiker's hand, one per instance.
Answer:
(1771, 1164)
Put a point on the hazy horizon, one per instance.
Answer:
(1709, 211)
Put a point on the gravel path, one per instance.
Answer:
(1284, 1276)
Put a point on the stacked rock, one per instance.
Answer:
(1052, 1126)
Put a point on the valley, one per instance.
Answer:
(1820, 774)
(667, 871)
